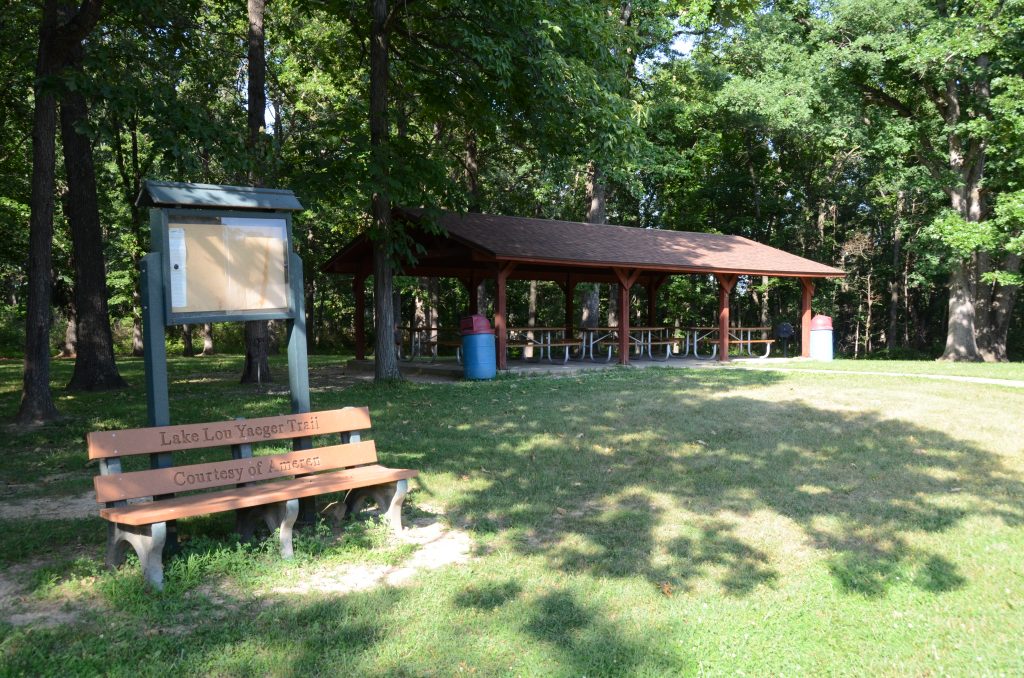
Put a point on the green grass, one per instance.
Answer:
(1011, 371)
(633, 522)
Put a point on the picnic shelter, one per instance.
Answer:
(476, 247)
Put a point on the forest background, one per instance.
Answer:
(884, 137)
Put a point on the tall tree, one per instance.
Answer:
(95, 368)
(596, 214)
(936, 71)
(60, 30)
(385, 353)
(257, 332)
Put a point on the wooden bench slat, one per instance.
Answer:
(120, 486)
(253, 495)
(105, 444)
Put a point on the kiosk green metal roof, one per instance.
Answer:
(206, 196)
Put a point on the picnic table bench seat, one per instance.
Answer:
(262, 489)
(566, 345)
(667, 343)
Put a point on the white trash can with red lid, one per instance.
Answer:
(821, 337)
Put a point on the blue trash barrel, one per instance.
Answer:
(478, 354)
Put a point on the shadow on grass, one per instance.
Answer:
(587, 478)
(660, 475)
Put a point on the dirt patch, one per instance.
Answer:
(438, 547)
(18, 608)
(51, 508)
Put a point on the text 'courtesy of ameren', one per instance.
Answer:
(253, 469)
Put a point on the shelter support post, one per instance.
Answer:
(626, 280)
(726, 282)
(359, 291)
(500, 332)
(807, 293)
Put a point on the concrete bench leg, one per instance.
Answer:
(388, 498)
(278, 516)
(148, 542)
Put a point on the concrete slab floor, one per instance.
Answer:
(448, 369)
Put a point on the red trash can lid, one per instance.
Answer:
(821, 322)
(475, 324)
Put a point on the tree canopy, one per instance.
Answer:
(884, 137)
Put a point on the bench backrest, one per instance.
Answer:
(108, 446)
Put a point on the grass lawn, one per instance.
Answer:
(631, 522)
(1011, 371)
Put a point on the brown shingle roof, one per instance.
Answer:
(575, 243)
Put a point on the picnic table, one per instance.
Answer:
(642, 339)
(423, 341)
(542, 338)
(742, 336)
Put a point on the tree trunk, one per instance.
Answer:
(894, 282)
(894, 299)
(421, 315)
(36, 400)
(856, 332)
(207, 339)
(531, 318)
(188, 348)
(396, 306)
(131, 168)
(67, 349)
(95, 368)
(481, 297)
(385, 356)
(257, 89)
(960, 338)
(435, 307)
(868, 345)
(257, 350)
(472, 164)
(274, 331)
(966, 200)
(765, 311)
(257, 332)
(590, 309)
(1001, 302)
(138, 348)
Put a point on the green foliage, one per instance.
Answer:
(813, 128)
(959, 237)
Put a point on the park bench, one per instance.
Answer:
(261, 489)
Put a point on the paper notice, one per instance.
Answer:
(179, 278)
